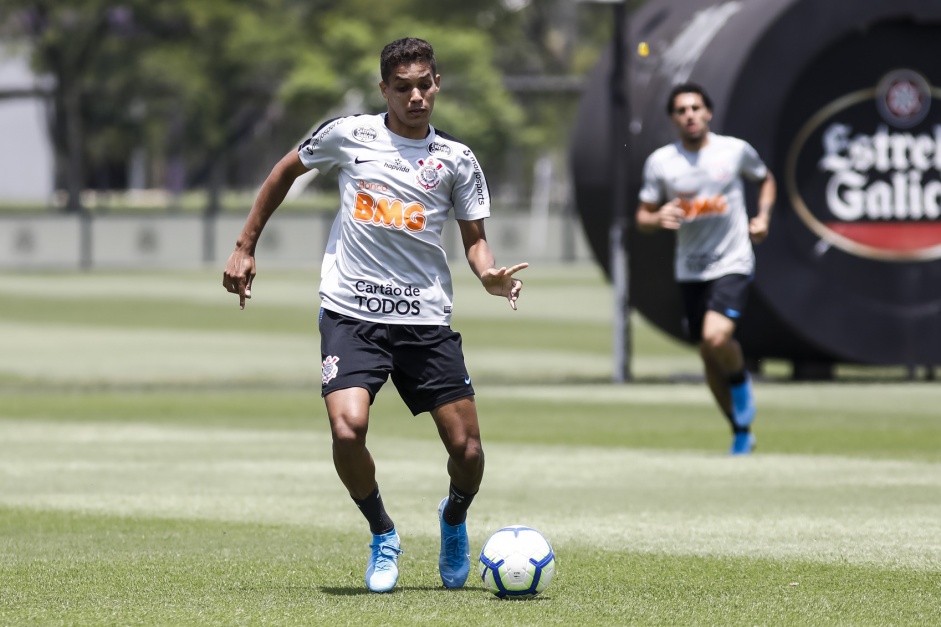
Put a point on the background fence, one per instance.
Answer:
(192, 241)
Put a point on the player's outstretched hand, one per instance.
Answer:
(500, 282)
(238, 276)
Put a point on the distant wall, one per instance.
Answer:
(63, 242)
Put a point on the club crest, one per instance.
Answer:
(330, 369)
(428, 174)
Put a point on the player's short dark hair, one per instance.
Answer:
(406, 50)
(688, 88)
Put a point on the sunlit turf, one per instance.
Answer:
(165, 460)
(90, 569)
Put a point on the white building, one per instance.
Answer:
(26, 158)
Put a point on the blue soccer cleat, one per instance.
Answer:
(454, 561)
(742, 443)
(743, 404)
(382, 571)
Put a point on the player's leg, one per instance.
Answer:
(354, 368)
(696, 296)
(348, 412)
(727, 378)
(430, 375)
(459, 430)
(722, 355)
(726, 299)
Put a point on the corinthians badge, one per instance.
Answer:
(428, 175)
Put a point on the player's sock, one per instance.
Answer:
(375, 512)
(743, 402)
(455, 512)
(738, 378)
(735, 428)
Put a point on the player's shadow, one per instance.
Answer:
(359, 591)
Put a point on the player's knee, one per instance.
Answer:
(349, 431)
(468, 454)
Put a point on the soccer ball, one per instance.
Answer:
(517, 562)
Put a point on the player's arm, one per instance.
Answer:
(497, 281)
(240, 269)
(767, 194)
(651, 217)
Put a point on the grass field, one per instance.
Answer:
(165, 460)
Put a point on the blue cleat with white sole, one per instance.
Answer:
(382, 571)
(454, 561)
(743, 403)
(742, 443)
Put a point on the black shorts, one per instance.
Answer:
(726, 295)
(426, 361)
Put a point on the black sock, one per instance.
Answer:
(375, 512)
(455, 512)
(738, 378)
(735, 427)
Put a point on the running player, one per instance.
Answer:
(386, 290)
(694, 186)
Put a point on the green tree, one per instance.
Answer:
(65, 42)
(215, 90)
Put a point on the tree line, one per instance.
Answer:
(210, 93)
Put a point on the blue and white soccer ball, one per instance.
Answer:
(517, 562)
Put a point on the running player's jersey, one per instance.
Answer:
(384, 260)
(713, 239)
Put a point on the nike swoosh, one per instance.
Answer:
(467, 380)
(358, 160)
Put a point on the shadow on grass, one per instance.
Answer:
(358, 591)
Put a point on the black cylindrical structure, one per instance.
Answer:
(839, 99)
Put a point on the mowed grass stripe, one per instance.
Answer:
(817, 508)
(93, 569)
(575, 292)
(263, 319)
(96, 354)
(849, 421)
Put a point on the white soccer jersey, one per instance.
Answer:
(384, 260)
(713, 239)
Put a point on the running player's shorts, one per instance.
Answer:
(726, 295)
(426, 361)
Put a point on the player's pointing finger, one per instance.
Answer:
(516, 268)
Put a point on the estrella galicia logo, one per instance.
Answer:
(867, 179)
(437, 148)
(365, 134)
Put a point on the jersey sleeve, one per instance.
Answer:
(470, 195)
(321, 151)
(753, 168)
(650, 189)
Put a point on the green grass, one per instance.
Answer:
(165, 460)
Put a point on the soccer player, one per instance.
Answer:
(386, 290)
(694, 186)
